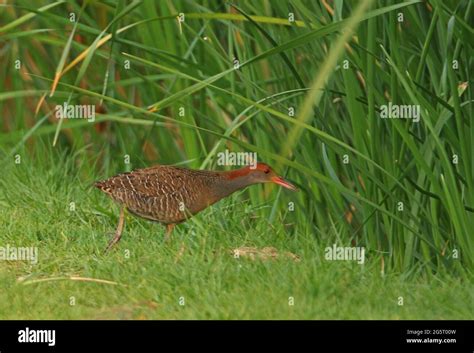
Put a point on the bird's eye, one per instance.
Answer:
(266, 171)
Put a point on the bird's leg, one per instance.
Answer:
(169, 229)
(118, 231)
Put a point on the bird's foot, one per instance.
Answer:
(114, 241)
(118, 232)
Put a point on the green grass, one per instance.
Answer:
(198, 264)
(334, 67)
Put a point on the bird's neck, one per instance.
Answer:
(233, 181)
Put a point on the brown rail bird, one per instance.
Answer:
(170, 195)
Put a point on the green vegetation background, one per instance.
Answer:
(406, 193)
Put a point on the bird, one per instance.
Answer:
(171, 195)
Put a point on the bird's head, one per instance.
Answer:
(262, 173)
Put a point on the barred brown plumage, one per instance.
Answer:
(170, 195)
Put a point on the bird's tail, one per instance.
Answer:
(102, 185)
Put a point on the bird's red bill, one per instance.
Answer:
(285, 183)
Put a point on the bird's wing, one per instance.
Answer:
(151, 182)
